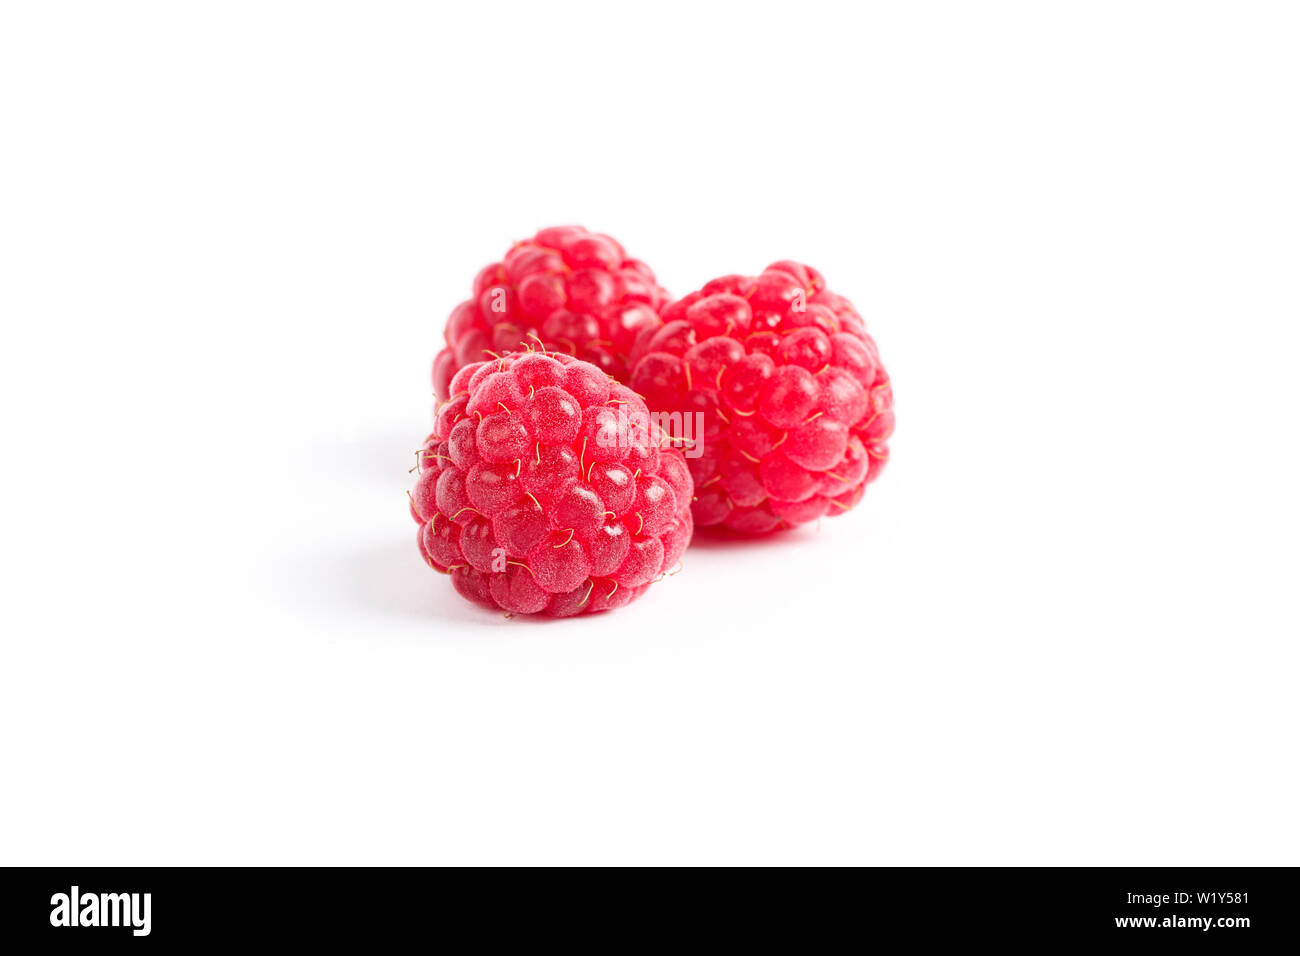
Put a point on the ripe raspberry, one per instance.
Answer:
(567, 290)
(544, 488)
(797, 409)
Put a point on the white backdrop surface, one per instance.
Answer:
(1061, 629)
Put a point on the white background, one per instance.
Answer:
(1061, 629)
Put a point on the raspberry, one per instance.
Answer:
(544, 488)
(566, 290)
(797, 409)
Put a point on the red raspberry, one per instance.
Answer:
(797, 409)
(545, 488)
(567, 290)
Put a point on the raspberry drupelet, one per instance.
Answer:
(566, 290)
(797, 408)
(536, 496)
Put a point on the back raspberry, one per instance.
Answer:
(797, 407)
(565, 290)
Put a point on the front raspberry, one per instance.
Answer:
(545, 488)
(565, 290)
(796, 407)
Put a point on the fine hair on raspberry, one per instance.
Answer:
(535, 499)
(797, 406)
(566, 290)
